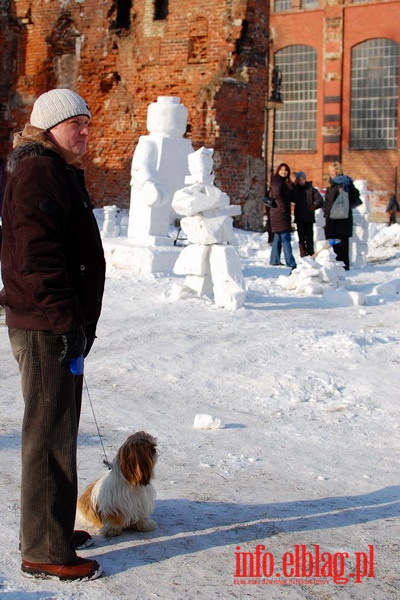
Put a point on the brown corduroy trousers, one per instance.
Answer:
(52, 397)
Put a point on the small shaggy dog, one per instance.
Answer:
(123, 498)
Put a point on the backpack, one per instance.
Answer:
(340, 208)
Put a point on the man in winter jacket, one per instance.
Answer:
(53, 272)
(307, 199)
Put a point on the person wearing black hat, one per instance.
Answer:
(53, 271)
(307, 200)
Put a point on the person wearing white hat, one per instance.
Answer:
(66, 116)
(56, 106)
(53, 271)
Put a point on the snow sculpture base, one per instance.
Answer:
(143, 262)
(214, 271)
(152, 240)
(226, 273)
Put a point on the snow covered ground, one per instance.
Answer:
(306, 459)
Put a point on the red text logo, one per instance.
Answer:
(310, 565)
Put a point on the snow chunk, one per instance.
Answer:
(204, 421)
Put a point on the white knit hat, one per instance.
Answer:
(56, 106)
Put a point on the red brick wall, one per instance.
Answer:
(333, 30)
(211, 54)
(377, 20)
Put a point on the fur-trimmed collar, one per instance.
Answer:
(32, 141)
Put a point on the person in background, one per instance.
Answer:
(53, 271)
(341, 229)
(392, 209)
(307, 199)
(281, 191)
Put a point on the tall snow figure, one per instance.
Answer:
(359, 241)
(159, 167)
(211, 264)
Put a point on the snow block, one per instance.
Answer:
(202, 286)
(216, 228)
(342, 297)
(197, 198)
(226, 273)
(193, 260)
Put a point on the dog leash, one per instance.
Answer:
(105, 461)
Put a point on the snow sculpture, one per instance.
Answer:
(159, 168)
(110, 226)
(319, 225)
(211, 264)
(359, 241)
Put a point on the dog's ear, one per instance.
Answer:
(137, 457)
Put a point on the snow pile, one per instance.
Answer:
(385, 243)
(312, 277)
(388, 288)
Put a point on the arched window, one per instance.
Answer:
(374, 95)
(123, 14)
(296, 124)
(160, 10)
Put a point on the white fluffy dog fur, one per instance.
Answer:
(123, 498)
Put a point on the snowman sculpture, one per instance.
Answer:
(159, 168)
(210, 262)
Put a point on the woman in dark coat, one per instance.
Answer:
(281, 223)
(340, 229)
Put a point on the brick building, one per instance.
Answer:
(339, 61)
(120, 55)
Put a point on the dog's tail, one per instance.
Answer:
(86, 510)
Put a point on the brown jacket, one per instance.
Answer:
(52, 259)
(280, 216)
